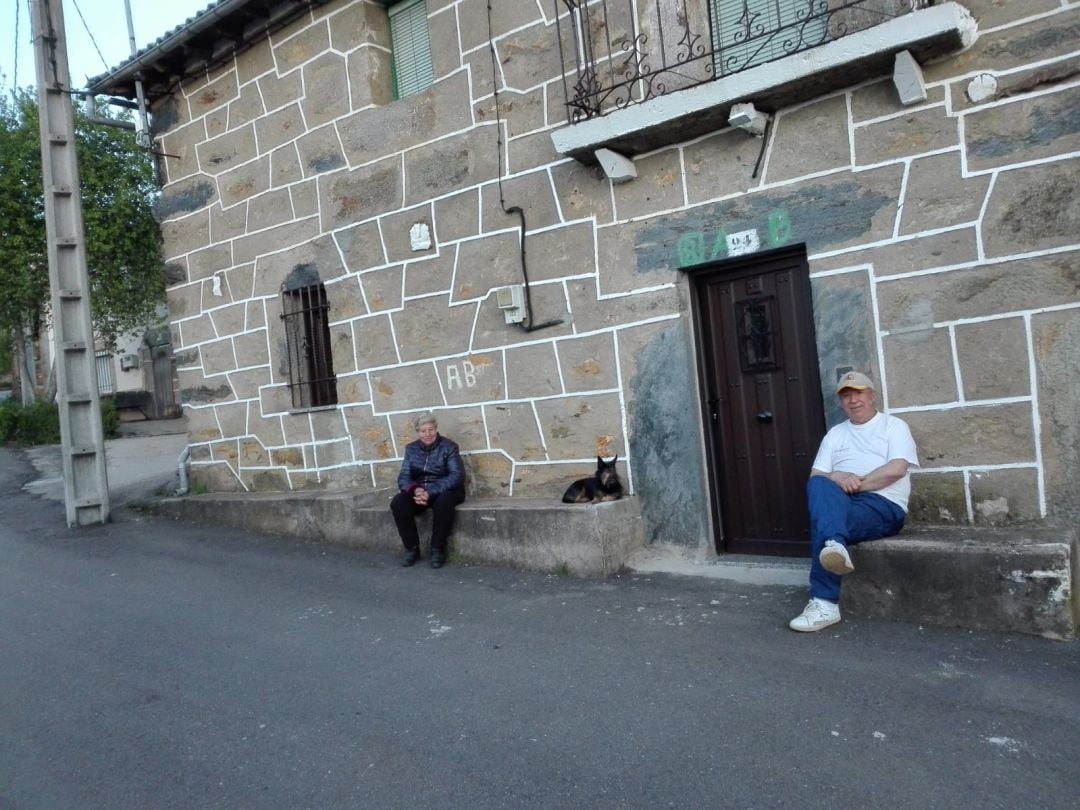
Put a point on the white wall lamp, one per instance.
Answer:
(748, 118)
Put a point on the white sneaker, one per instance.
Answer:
(817, 615)
(834, 557)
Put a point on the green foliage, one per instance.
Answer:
(6, 355)
(123, 245)
(39, 423)
(110, 418)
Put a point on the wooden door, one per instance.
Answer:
(763, 408)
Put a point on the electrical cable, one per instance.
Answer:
(764, 143)
(90, 34)
(50, 38)
(514, 209)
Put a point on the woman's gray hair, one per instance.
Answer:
(424, 418)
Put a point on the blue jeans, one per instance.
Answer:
(847, 519)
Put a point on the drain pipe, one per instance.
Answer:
(181, 468)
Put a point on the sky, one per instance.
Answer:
(107, 26)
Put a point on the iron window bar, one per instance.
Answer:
(305, 314)
(616, 53)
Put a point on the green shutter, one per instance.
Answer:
(412, 48)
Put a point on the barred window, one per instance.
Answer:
(304, 311)
(412, 68)
(751, 32)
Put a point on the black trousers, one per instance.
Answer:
(405, 510)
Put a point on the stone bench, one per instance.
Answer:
(1007, 580)
(534, 534)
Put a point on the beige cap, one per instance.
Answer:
(856, 380)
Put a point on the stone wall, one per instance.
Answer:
(942, 240)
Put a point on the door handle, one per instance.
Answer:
(765, 417)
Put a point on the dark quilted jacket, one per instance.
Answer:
(437, 468)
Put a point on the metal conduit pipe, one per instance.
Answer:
(181, 468)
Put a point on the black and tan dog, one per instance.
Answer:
(604, 486)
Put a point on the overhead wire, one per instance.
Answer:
(90, 34)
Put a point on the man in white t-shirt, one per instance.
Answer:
(858, 490)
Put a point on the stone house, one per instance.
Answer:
(653, 228)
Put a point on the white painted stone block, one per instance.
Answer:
(981, 88)
(617, 169)
(420, 236)
(908, 78)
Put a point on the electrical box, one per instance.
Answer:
(511, 301)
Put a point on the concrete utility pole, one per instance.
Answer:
(86, 488)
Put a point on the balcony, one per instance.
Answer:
(639, 74)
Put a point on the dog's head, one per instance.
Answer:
(606, 474)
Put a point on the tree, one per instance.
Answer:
(123, 244)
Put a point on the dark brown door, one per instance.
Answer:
(763, 408)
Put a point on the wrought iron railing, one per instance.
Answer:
(621, 52)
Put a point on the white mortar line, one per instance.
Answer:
(1019, 99)
(899, 240)
(1036, 417)
(957, 371)
(967, 497)
(849, 110)
(558, 369)
(881, 119)
(569, 308)
(959, 404)
(627, 462)
(1027, 164)
(540, 430)
(680, 155)
(976, 468)
(397, 347)
(979, 242)
(629, 293)
(587, 460)
(442, 388)
(1000, 316)
(901, 200)
(355, 354)
(1035, 254)
(475, 321)
(555, 196)
(879, 339)
(865, 167)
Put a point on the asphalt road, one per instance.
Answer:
(152, 664)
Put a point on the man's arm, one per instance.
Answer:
(849, 482)
(888, 473)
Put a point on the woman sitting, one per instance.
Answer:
(432, 477)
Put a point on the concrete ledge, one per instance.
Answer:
(535, 534)
(1013, 581)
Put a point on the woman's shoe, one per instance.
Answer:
(410, 558)
(438, 558)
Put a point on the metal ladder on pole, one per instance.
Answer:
(86, 490)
